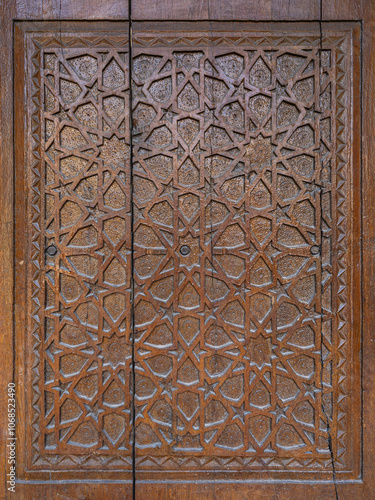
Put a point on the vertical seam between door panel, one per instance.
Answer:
(132, 328)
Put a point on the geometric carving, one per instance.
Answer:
(85, 66)
(231, 64)
(233, 114)
(143, 115)
(113, 75)
(188, 129)
(303, 165)
(161, 89)
(161, 165)
(260, 74)
(188, 98)
(227, 297)
(289, 64)
(231, 202)
(188, 174)
(259, 151)
(287, 114)
(260, 106)
(303, 137)
(114, 107)
(215, 89)
(260, 428)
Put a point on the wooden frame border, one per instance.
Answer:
(266, 11)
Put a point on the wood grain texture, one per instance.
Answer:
(368, 264)
(254, 10)
(7, 12)
(84, 10)
(229, 325)
(248, 491)
(148, 483)
(344, 10)
(81, 133)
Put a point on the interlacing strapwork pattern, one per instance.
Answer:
(239, 190)
(233, 162)
(87, 270)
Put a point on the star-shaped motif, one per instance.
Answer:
(209, 313)
(63, 313)
(280, 290)
(94, 213)
(279, 412)
(168, 114)
(114, 152)
(138, 290)
(240, 90)
(207, 389)
(259, 151)
(260, 351)
(93, 92)
(311, 315)
(94, 289)
(62, 388)
(240, 412)
(137, 213)
(62, 189)
(310, 389)
(167, 388)
(115, 351)
(281, 212)
(280, 90)
(169, 314)
(139, 412)
(93, 411)
(168, 190)
(208, 114)
(137, 92)
(62, 114)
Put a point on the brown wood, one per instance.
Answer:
(256, 197)
(229, 202)
(242, 10)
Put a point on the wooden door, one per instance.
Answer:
(239, 194)
(188, 287)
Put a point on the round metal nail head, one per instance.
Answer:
(184, 250)
(51, 250)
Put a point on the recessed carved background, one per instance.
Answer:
(85, 348)
(234, 340)
(239, 149)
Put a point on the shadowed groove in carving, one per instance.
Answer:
(264, 247)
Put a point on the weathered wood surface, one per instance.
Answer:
(233, 207)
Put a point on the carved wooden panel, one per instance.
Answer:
(213, 239)
(80, 240)
(240, 163)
